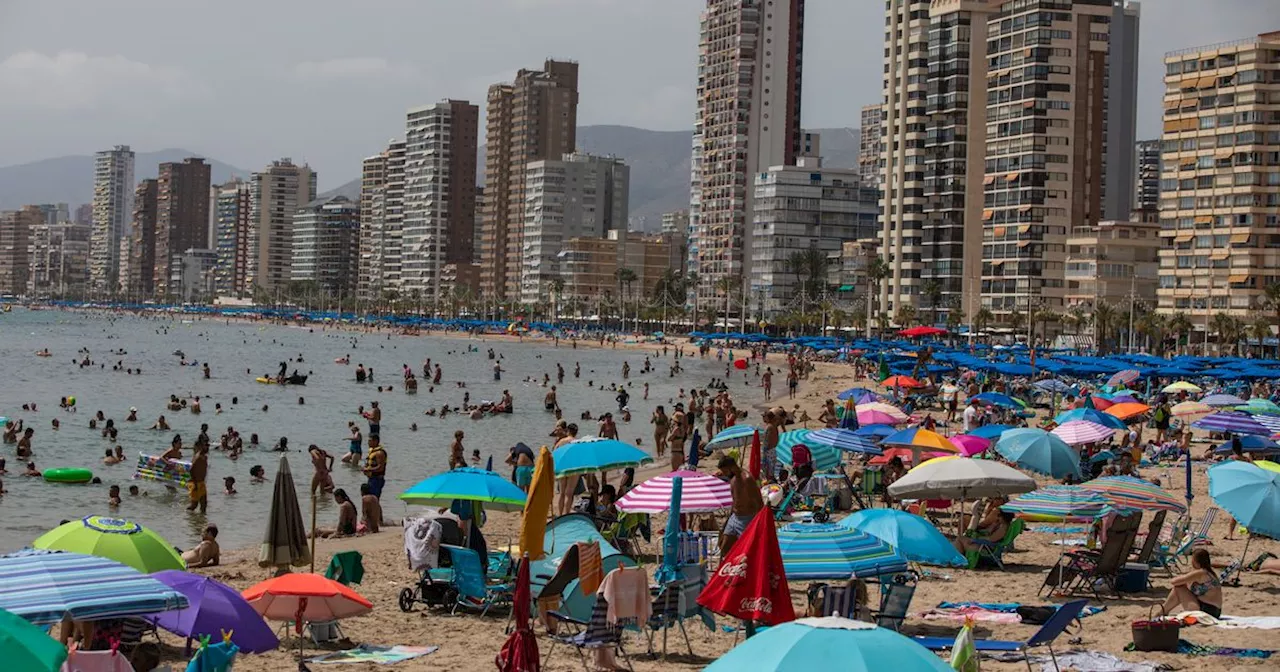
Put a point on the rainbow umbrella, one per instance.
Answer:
(1127, 492)
(1058, 502)
(831, 551)
(849, 416)
(1078, 432)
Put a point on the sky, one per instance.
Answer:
(328, 81)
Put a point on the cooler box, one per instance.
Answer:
(1132, 578)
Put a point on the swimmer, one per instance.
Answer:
(257, 474)
(113, 496)
(133, 415)
(133, 491)
(229, 485)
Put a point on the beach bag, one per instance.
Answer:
(1153, 634)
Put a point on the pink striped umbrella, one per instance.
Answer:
(877, 418)
(699, 493)
(970, 445)
(1079, 432)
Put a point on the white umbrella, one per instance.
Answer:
(961, 478)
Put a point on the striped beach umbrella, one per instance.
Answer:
(1259, 406)
(1222, 400)
(1058, 502)
(732, 437)
(699, 493)
(1271, 422)
(1123, 377)
(843, 439)
(1127, 492)
(824, 457)
(1229, 422)
(1078, 432)
(831, 551)
(43, 586)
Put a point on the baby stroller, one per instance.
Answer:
(435, 587)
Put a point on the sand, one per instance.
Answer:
(469, 642)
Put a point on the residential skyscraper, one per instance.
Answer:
(676, 222)
(112, 208)
(59, 265)
(747, 120)
(140, 282)
(275, 195)
(382, 192)
(1220, 178)
(326, 244)
(439, 195)
(1146, 181)
(15, 237)
(870, 144)
(534, 118)
(231, 212)
(182, 215)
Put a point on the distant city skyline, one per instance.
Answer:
(82, 88)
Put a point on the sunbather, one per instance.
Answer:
(990, 534)
(1198, 590)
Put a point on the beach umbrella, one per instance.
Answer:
(997, 399)
(971, 445)
(917, 332)
(906, 382)
(842, 439)
(285, 540)
(824, 457)
(849, 418)
(859, 395)
(1127, 492)
(1190, 408)
(732, 437)
(1053, 386)
(918, 438)
(1078, 432)
(867, 418)
(669, 569)
(533, 522)
(1268, 465)
(754, 458)
(830, 643)
(961, 478)
(1250, 443)
(991, 432)
(1180, 386)
(302, 597)
(467, 484)
(1249, 493)
(213, 607)
(875, 431)
(1090, 415)
(1123, 377)
(116, 539)
(1222, 400)
(1270, 422)
(832, 551)
(1058, 502)
(520, 652)
(1127, 410)
(1260, 406)
(1231, 423)
(1099, 403)
(907, 456)
(23, 646)
(592, 454)
(914, 537)
(751, 583)
(43, 586)
(1039, 451)
(887, 409)
(699, 493)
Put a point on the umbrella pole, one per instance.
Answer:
(313, 535)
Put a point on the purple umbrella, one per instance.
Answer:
(213, 607)
(1231, 423)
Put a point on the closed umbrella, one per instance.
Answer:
(842, 439)
(1079, 432)
(116, 539)
(213, 607)
(824, 457)
(754, 463)
(692, 457)
(830, 643)
(23, 646)
(1231, 423)
(1058, 502)
(1040, 451)
(520, 652)
(913, 536)
(44, 586)
(285, 541)
(832, 551)
(669, 570)
(1127, 492)
(699, 493)
(533, 523)
(961, 478)
(468, 484)
(592, 453)
(732, 437)
(849, 419)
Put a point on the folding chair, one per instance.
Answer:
(474, 592)
(994, 550)
(1081, 569)
(1164, 553)
(677, 601)
(1045, 636)
(587, 635)
(895, 599)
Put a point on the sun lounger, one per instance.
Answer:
(895, 599)
(1045, 636)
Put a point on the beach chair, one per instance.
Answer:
(1091, 569)
(474, 591)
(1151, 542)
(841, 600)
(587, 635)
(1199, 535)
(994, 550)
(676, 601)
(622, 533)
(895, 599)
(1045, 636)
(1163, 555)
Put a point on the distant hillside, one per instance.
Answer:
(69, 179)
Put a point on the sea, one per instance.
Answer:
(317, 413)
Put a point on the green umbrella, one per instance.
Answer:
(124, 541)
(23, 646)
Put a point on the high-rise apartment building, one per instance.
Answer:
(1146, 178)
(534, 118)
(112, 208)
(83, 214)
(139, 282)
(1112, 262)
(326, 246)
(59, 264)
(182, 215)
(382, 193)
(15, 238)
(870, 145)
(439, 195)
(275, 195)
(231, 210)
(747, 120)
(676, 222)
(1220, 178)
(578, 196)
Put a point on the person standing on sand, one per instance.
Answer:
(747, 502)
(769, 444)
(197, 490)
(375, 466)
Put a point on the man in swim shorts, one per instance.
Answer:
(747, 502)
(196, 489)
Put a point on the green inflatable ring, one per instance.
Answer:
(67, 475)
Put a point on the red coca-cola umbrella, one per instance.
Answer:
(520, 652)
(751, 583)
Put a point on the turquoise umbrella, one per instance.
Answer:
(737, 435)
(831, 551)
(591, 454)
(824, 457)
(670, 569)
(1039, 451)
(467, 484)
(27, 647)
(830, 643)
(1092, 415)
(1249, 493)
(914, 537)
(1260, 406)
(1058, 501)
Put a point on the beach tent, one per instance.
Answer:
(562, 534)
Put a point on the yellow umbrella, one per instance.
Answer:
(533, 525)
(1268, 465)
(1181, 386)
(1187, 408)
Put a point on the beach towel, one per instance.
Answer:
(422, 543)
(96, 661)
(1091, 661)
(1229, 622)
(626, 589)
(971, 614)
(1188, 649)
(1049, 529)
(367, 653)
(1009, 607)
(346, 568)
(590, 570)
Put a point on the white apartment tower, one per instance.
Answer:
(275, 195)
(112, 209)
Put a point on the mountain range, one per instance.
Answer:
(659, 162)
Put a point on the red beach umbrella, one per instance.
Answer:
(520, 652)
(751, 583)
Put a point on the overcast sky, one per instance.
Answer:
(328, 81)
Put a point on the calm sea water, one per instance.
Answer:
(237, 353)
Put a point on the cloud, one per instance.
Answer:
(362, 67)
(74, 80)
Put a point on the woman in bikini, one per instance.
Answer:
(1198, 590)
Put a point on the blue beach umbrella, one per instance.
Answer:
(692, 457)
(843, 439)
(43, 586)
(990, 432)
(1090, 415)
(467, 484)
(592, 453)
(1250, 443)
(859, 395)
(1222, 400)
(830, 643)
(875, 431)
(737, 435)
(824, 457)
(1058, 502)
(1249, 493)
(997, 399)
(1053, 385)
(914, 537)
(670, 569)
(830, 551)
(1039, 451)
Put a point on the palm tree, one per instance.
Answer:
(624, 276)
(1179, 324)
(932, 290)
(877, 270)
(727, 284)
(955, 316)
(557, 293)
(904, 315)
(1260, 329)
(1271, 301)
(1152, 325)
(1229, 330)
(1044, 315)
(1104, 320)
(982, 319)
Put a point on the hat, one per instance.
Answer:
(133, 409)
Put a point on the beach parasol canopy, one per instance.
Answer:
(1127, 409)
(961, 478)
(533, 523)
(1039, 451)
(1228, 422)
(914, 537)
(23, 646)
(846, 440)
(732, 437)
(906, 382)
(1190, 408)
(875, 431)
(213, 607)
(1090, 415)
(881, 407)
(876, 418)
(832, 551)
(991, 432)
(468, 484)
(1123, 377)
(907, 455)
(1222, 400)
(751, 584)
(824, 457)
(997, 399)
(830, 643)
(1249, 493)
(520, 652)
(971, 445)
(859, 395)
(1079, 432)
(921, 331)
(1127, 492)
(1053, 386)
(592, 453)
(302, 597)
(1181, 386)
(699, 493)
(116, 539)
(1249, 443)
(1057, 502)
(918, 437)
(43, 586)
(1259, 406)
(285, 540)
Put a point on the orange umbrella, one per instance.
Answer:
(1127, 409)
(305, 597)
(901, 381)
